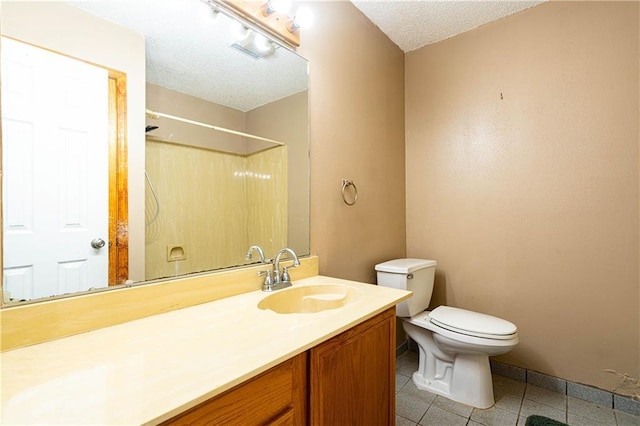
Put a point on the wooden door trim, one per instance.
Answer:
(118, 180)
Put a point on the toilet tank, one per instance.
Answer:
(415, 275)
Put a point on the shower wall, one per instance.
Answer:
(266, 204)
(211, 207)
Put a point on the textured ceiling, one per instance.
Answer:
(187, 49)
(413, 24)
(188, 46)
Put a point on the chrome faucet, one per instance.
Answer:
(284, 278)
(279, 280)
(259, 250)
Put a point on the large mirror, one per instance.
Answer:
(145, 140)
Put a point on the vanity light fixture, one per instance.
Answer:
(302, 19)
(268, 15)
(272, 6)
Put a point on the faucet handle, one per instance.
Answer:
(268, 280)
(285, 274)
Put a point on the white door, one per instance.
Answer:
(55, 187)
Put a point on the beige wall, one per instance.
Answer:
(167, 101)
(522, 181)
(357, 132)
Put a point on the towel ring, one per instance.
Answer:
(346, 183)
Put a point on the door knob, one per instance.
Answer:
(97, 243)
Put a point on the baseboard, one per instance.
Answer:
(598, 396)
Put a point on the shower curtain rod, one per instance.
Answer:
(155, 114)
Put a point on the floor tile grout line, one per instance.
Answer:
(425, 411)
(524, 392)
(566, 405)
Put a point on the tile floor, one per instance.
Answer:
(514, 402)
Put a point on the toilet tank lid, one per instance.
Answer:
(405, 266)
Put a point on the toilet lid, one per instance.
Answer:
(472, 323)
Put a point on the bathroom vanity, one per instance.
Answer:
(226, 361)
(322, 386)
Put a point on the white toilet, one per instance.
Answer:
(455, 344)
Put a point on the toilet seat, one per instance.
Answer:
(472, 323)
(469, 323)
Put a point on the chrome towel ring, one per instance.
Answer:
(345, 184)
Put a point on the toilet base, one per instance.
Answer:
(461, 377)
(476, 392)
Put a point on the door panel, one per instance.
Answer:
(55, 154)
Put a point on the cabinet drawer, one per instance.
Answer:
(275, 397)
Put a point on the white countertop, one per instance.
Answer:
(148, 370)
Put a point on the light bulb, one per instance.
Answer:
(280, 6)
(304, 17)
(238, 30)
(263, 44)
(208, 13)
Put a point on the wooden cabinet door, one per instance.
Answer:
(352, 376)
(277, 397)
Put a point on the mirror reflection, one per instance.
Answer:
(145, 140)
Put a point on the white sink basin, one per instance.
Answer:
(309, 299)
